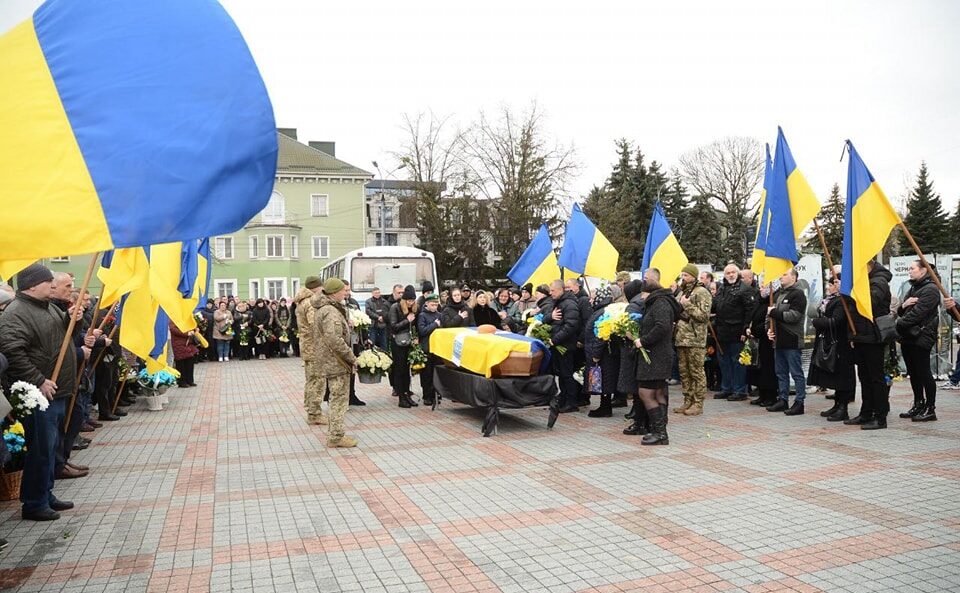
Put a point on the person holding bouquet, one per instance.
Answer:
(223, 331)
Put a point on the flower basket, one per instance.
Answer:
(10, 485)
(368, 377)
(153, 399)
(164, 398)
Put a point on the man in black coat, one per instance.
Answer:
(869, 350)
(733, 306)
(565, 327)
(574, 287)
(788, 313)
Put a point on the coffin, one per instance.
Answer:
(519, 364)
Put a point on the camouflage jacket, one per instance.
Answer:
(331, 337)
(692, 327)
(305, 320)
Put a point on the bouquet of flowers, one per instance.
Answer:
(748, 353)
(358, 319)
(603, 326)
(283, 337)
(201, 322)
(374, 361)
(417, 359)
(229, 330)
(25, 398)
(162, 378)
(539, 330)
(244, 334)
(620, 323)
(126, 373)
(16, 444)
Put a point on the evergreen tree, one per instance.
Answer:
(675, 201)
(701, 233)
(831, 223)
(925, 219)
(954, 231)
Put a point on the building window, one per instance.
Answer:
(224, 247)
(274, 245)
(321, 247)
(63, 259)
(254, 289)
(319, 205)
(273, 213)
(294, 286)
(276, 288)
(226, 288)
(391, 239)
(254, 246)
(294, 247)
(385, 215)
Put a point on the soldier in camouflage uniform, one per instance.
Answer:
(313, 388)
(331, 338)
(691, 340)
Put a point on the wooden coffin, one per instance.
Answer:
(519, 364)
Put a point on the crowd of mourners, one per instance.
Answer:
(692, 332)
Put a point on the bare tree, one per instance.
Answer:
(728, 172)
(511, 161)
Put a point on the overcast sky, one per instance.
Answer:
(669, 76)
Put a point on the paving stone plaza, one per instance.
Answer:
(228, 489)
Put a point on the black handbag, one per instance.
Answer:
(825, 353)
(886, 328)
(403, 338)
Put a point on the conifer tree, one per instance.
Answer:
(831, 223)
(954, 230)
(700, 235)
(925, 219)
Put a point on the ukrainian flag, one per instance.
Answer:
(792, 206)
(867, 223)
(144, 328)
(538, 264)
(662, 250)
(10, 268)
(129, 123)
(121, 271)
(763, 218)
(205, 272)
(585, 250)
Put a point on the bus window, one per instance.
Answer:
(364, 272)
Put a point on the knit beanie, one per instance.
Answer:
(33, 275)
(333, 286)
(691, 269)
(632, 289)
(312, 282)
(409, 294)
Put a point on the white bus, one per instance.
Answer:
(382, 267)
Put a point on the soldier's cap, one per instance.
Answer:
(312, 282)
(333, 285)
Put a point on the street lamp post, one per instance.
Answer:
(383, 203)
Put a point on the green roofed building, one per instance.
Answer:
(317, 213)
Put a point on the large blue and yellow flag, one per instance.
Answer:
(129, 123)
(144, 328)
(763, 217)
(585, 250)
(868, 220)
(662, 250)
(121, 271)
(792, 206)
(538, 264)
(205, 272)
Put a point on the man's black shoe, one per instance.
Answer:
(356, 401)
(108, 418)
(737, 397)
(830, 411)
(780, 406)
(875, 423)
(861, 418)
(60, 505)
(721, 395)
(795, 410)
(46, 514)
(120, 413)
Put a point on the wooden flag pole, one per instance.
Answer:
(73, 318)
(826, 253)
(716, 339)
(113, 332)
(953, 312)
(116, 400)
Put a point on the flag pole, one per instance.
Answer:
(826, 253)
(953, 312)
(73, 318)
(716, 339)
(116, 400)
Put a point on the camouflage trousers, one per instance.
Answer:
(692, 376)
(339, 388)
(313, 390)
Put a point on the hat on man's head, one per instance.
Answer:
(313, 282)
(691, 269)
(464, 287)
(431, 297)
(544, 290)
(409, 294)
(332, 285)
(527, 287)
(33, 275)
(427, 286)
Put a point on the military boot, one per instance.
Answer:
(687, 402)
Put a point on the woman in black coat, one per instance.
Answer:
(627, 378)
(831, 326)
(401, 321)
(262, 320)
(456, 313)
(602, 354)
(660, 313)
(483, 313)
(762, 374)
(917, 327)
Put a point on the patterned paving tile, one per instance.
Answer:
(569, 446)
(644, 476)
(790, 459)
(931, 570)
(908, 491)
(427, 460)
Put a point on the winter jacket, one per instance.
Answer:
(566, 331)
(261, 317)
(31, 332)
(329, 336)
(222, 320)
(918, 324)
(831, 325)
(789, 311)
(607, 353)
(513, 315)
(450, 316)
(183, 345)
(880, 296)
(306, 317)
(661, 311)
(732, 308)
(397, 321)
(426, 323)
(484, 315)
(692, 327)
(627, 381)
(586, 309)
(377, 307)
